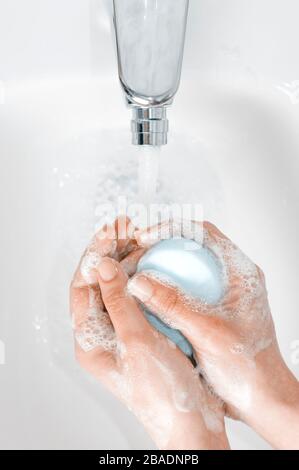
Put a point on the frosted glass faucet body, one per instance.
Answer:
(150, 36)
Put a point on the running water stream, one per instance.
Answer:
(148, 174)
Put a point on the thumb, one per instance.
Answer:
(126, 317)
(170, 305)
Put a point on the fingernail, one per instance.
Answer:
(141, 288)
(107, 270)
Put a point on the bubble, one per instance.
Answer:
(88, 265)
(96, 330)
(237, 348)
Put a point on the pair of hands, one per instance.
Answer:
(241, 372)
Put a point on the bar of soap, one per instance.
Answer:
(190, 266)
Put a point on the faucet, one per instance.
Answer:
(150, 37)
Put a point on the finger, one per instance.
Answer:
(111, 240)
(92, 326)
(239, 271)
(126, 316)
(95, 341)
(168, 303)
(129, 263)
(84, 286)
(85, 295)
(149, 236)
(196, 321)
(102, 244)
(174, 228)
(125, 236)
(203, 232)
(80, 302)
(180, 228)
(213, 231)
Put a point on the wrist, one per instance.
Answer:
(274, 412)
(194, 434)
(188, 432)
(191, 439)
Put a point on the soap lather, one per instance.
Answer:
(193, 268)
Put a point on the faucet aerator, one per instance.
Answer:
(149, 126)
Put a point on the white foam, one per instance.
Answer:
(246, 302)
(89, 263)
(96, 330)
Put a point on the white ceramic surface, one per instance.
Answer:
(238, 107)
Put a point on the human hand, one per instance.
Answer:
(117, 345)
(234, 341)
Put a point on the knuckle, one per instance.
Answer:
(95, 362)
(208, 225)
(169, 301)
(114, 300)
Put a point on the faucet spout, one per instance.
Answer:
(150, 37)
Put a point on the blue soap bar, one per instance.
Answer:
(190, 266)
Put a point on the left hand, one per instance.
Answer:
(117, 345)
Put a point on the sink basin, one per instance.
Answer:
(234, 137)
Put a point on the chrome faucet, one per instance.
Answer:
(150, 37)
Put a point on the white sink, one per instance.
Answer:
(234, 137)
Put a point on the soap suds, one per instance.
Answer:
(89, 263)
(96, 329)
(174, 228)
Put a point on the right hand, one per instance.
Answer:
(234, 341)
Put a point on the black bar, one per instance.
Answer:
(134, 459)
